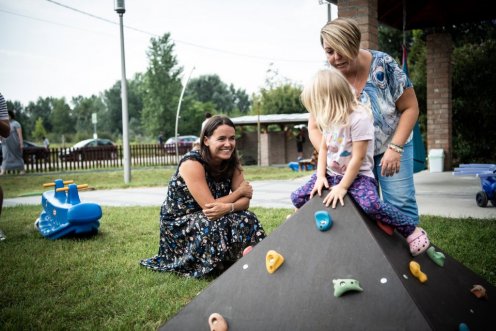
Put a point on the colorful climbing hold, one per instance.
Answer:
(247, 250)
(342, 286)
(479, 291)
(415, 270)
(273, 260)
(323, 220)
(437, 257)
(217, 322)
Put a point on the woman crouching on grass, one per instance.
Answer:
(204, 221)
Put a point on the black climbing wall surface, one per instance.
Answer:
(300, 294)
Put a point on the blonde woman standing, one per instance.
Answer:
(346, 154)
(379, 81)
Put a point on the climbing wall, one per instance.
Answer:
(299, 295)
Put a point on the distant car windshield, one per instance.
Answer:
(182, 139)
(81, 143)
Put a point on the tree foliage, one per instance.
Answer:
(226, 99)
(61, 118)
(111, 119)
(161, 87)
(284, 99)
(39, 130)
(474, 102)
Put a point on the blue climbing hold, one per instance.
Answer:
(323, 220)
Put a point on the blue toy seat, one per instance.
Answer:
(64, 214)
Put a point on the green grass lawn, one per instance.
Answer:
(96, 283)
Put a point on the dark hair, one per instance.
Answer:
(207, 115)
(11, 114)
(227, 167)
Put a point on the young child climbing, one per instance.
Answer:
(346, 154)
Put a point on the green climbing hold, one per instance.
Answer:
(437, 257)
(342, 286)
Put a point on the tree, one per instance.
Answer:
(83, 109)
(111, 118)
(39, 130)
(284, 99)
(473, 103)
(41, 109)
(226, 99)
(161, 87)
(61, 118)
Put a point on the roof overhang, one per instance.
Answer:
(280, 119)
(420, 14)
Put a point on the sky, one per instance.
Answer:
(67, 48)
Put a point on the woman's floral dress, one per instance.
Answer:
(190, 243)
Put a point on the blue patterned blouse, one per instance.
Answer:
(385, 85)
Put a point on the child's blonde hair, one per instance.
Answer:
(329, 98)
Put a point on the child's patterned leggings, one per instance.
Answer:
(364, 192)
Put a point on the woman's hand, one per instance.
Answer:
(245, 189)
(216, 210)
(390, 163)
(337, 193)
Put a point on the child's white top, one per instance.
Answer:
(339, 142)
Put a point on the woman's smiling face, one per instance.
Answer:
(221, 143)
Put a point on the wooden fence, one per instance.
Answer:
(69, 159)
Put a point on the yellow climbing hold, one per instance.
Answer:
(415, 270)
(273, 261)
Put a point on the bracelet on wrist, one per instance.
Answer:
(396, 148)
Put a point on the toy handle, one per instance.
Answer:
(53, 184)
(65, 189)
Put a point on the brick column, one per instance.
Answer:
(439, 106)
(365, 13)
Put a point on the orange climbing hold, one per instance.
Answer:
(273, 261)
(415, 270)
(479, 291)
(247, 250)
(217, 322)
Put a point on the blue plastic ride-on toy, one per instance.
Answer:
(64, 214)
(487, 175)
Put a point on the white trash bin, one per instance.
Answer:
(436, 160)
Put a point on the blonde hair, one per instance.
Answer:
(329, 98)
(343, 36)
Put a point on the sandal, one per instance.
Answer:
(418, 241)
(217, 322)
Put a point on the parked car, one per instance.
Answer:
(90, 149)
(33, 152)
(185, 144)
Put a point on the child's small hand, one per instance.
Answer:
(317, 188)
(337, 193)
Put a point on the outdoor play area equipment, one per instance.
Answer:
(63, 212)
(353, 277)
(323, 220)
(487, 175)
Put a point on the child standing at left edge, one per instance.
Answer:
(346, 154)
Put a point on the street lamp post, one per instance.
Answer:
(178, 110)
(120, 8)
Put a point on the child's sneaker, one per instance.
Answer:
(418, 241)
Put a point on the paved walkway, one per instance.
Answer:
(437, 194)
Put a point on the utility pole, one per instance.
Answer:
(121, 9)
